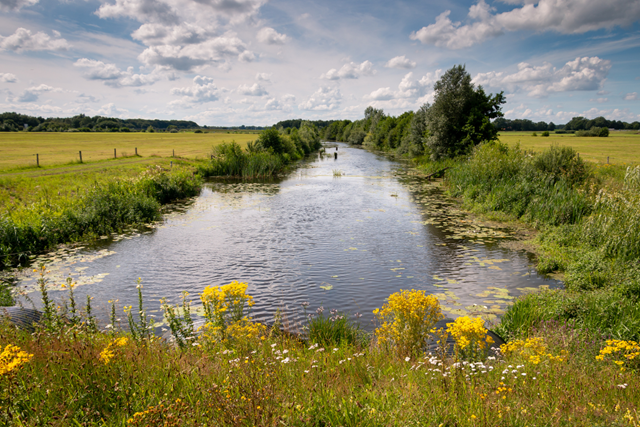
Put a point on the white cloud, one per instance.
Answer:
(154, 34)
(8, 78)
(633, 96)
(350, 70)
(599, 100)
(253, 90)
(284, 104)
(581, 74)
(263, 77)
(247, 56)
(562, 16)
(409, 88)
(113, 76)
(203, 90)
(270, 36)
(324, 99)
(23, 40)
(33, 93)
(142, 10)
(189, 56)
(15, 5)
(400, 62)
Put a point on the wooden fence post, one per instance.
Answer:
(80, 152)
(136, 151)
(114, 153)
(38, 160)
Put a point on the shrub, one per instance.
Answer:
(545, 133)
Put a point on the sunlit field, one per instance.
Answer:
(621, 146)
(19, 149)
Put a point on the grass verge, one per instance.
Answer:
(589, 230)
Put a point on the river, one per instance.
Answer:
(340, 233)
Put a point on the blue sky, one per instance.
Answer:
(233, 62)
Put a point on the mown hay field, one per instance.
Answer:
(621, 147)
(18, 149)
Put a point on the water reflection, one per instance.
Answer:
(343, 242)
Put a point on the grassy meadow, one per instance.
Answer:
(18, 149)
(622, 147)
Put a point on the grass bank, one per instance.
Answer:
(233, 372)
(589, 223)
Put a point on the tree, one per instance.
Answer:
(271, 139)
(460, 116)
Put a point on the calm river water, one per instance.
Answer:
(341, 242)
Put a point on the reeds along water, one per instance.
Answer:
(106, 208)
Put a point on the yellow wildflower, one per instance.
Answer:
(11, 358)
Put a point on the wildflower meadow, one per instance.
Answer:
(226, 369)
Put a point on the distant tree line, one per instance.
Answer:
(576, 123)
(10, 122)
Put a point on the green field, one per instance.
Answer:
(18, 149)
(620, 147)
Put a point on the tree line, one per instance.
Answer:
(11, 122)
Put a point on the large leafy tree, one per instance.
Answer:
(460, 116)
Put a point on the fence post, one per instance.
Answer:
(80, 152)
(607, 159)
(174, 153)
(114, 153)
(38, 160)
(136, 151)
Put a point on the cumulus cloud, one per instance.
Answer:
(188, 56)
(581, 74)
(350, 70)
(184, 34)
(203, 90)
(253, 90)
(263, 77)
(15, 5)
(633, 96)
(8, 78)
(285, 103)
(270, 36)
(324, 99)
(409, 88)
(23, 40)
(400, 62)
(111, 75)
(33, 93)
(562, 16)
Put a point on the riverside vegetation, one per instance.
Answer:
(233, 371)
(34, 219)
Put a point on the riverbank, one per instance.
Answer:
(236, 372)
(586, 218)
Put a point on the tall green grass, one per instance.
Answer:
(590, 230)
(105, 208)
(229, 159)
